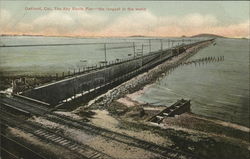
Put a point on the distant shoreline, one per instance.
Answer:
(132, 36)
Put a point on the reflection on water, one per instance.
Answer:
(216, 89)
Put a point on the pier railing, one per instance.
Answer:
(98, 78)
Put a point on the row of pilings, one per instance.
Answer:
(141, 80)
(203, 60)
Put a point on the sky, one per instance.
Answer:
(125, 18)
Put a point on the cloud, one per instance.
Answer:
(57, 23)
(90, 22)
(234, 30)
(61, 23)
(148, 24)
(53, 22)
(5, 18)
(137, 23)
(197, 20)
(191, 24)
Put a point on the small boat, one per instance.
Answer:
(180, 107)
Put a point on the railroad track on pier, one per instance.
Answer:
(33, 108)
(45, 134)
(165, 152)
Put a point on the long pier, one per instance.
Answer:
(106, 76)
(42, 100)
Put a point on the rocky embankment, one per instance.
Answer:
(143, 79)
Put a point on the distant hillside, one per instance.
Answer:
(135, 36)
(208, 35)
(20, 35)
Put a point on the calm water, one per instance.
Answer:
(219, 90)
(58, 59)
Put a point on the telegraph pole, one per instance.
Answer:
(134, 48)
(142, 49)
(172, 47)
(161, 45)
(149, 45)
(141, 54)
(105, 53)
(161, 48)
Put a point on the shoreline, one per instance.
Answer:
(118, 111)
(123, 97)
(140, 81)
(129, 98)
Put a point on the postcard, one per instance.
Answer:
(124, 79)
